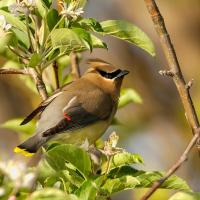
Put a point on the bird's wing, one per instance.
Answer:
(75, 116)
(44, 104)
(40, 108)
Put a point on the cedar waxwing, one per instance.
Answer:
(81, 110)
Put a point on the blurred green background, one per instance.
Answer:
(157, 128)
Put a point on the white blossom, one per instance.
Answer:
(72, 10)
(23, 7)
(2, 191)
(17, 172)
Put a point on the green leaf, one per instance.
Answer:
(122, 159)
(128, 95)
(146, 179)
(6, 3)
(22, 37)
(87, 191)
(66, 39)
(90, 24)
(35, 60)
(14, 124)
(85, 37)
(52, 18)
(97, 43)
(51, 194)
(59, 155)
(41, 8)
(128, 32)
(119, 184)
(186, 196)
(43, 32)
(174, 182)
(14, 21)
(7, 38)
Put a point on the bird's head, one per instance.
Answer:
(105, 75)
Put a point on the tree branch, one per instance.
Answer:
(39, 83)
(75, 71)
(174, 167)
(14, 71)
(183, 89)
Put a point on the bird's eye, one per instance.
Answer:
(109, 75)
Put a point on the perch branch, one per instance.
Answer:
(182, 87)
(75, 71)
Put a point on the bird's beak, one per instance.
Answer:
(122, 73)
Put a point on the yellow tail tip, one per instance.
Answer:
(23, 152)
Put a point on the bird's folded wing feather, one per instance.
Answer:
(75, 116)
(40, 108)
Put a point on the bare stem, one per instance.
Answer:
(29, 34)
(39, 83)
(14, 71)
(183, 89)
(75, 71)
(172, 169)
(55, 68)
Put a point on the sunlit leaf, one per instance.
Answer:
(84, 36)
(119, 184)
(185, 196)
(6, 38)
(124, 158)
(51, 194)
(66, 39)
(59, 155)
(87, 191)
(22, 37)
(98, 43)
(128, 32)
(35, 60)
(14, 21)
(90, 24)
(41, 8)
(128, 95)
(6, 3)
(146, 179)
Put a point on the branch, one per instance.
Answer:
(75, 71)
(183, 89)
(55, 68)
(173, 63)
(174, 167)
(39, 83)
(14, 71)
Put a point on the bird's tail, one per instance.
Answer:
(30, 146)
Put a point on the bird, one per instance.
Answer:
(80, 110)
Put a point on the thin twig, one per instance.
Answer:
(29, 33)
(75, 70)
(173, 63)
(55, 68)
(39, 83)
(173, 169)
(183, 89)
(14, 71)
